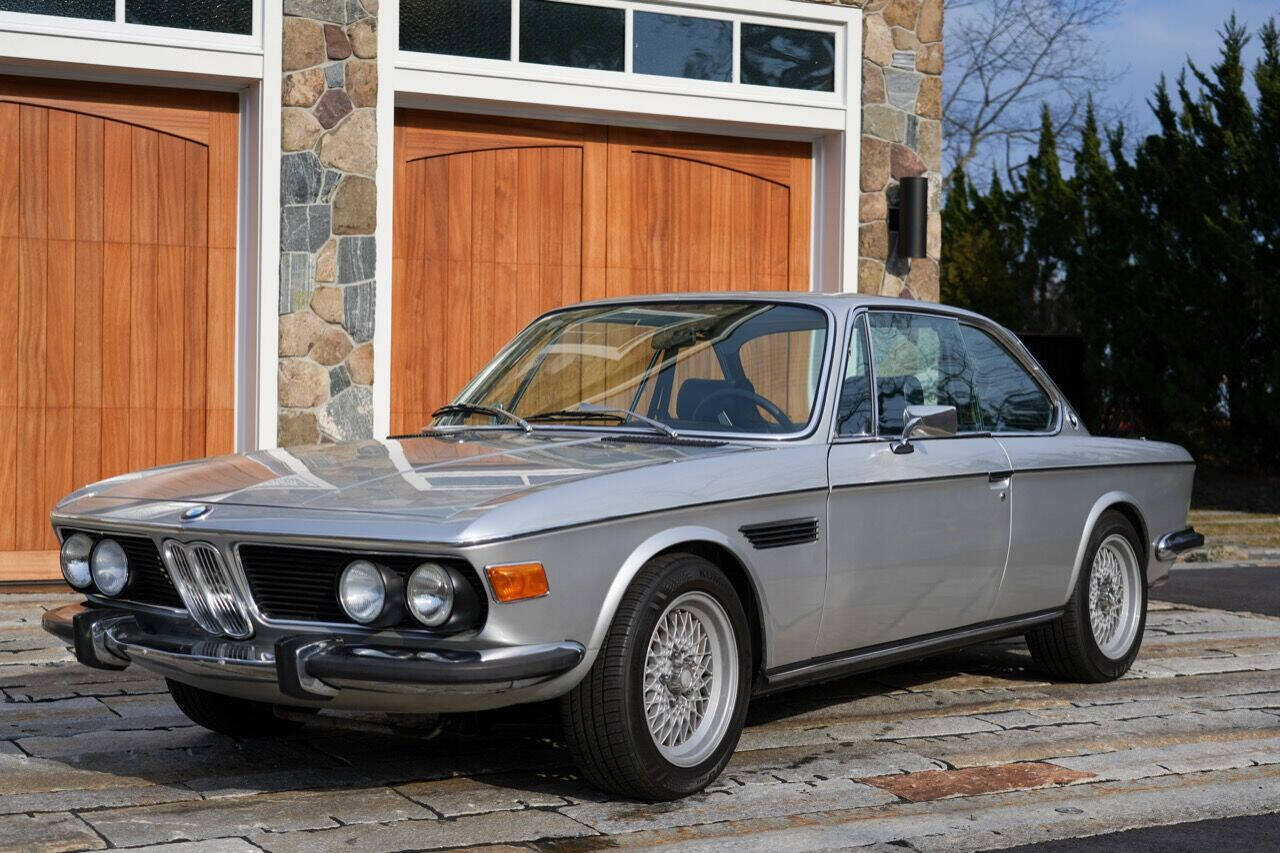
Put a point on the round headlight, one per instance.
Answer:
(109, 567)
(75, 560)
(362, 592)
(429, 595)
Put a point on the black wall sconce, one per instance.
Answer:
(911, 218)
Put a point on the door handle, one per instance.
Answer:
(999, 476)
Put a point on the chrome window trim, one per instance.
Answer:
(854, 325)
(816, 412)
(1020, 354)
(1038, 375)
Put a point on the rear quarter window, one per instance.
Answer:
(1008, 398)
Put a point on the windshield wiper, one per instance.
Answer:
(589, 412)
(492, 411)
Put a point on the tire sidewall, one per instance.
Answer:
(686, 573)
(1109, 524)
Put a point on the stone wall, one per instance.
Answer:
(327, 220)
(329, 197)
(901, 137)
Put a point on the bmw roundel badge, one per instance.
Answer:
(196, 512)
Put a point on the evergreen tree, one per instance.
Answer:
(1166, 262)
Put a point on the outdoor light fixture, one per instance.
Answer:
(911, 218)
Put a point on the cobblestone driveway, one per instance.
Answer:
(968, 751)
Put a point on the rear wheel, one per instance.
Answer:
(228, 715)
(661, 710)
(1099, 633)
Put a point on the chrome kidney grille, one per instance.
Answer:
(207, 588)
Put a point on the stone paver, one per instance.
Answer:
(971, 750)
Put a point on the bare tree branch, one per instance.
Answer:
(1006, 58)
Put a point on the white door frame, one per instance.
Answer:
(831, 121)
(51, 47)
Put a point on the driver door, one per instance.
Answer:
(917, 542)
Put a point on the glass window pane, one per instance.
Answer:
(572, 34)
(1009, 399)
(790, 58)
(479, 28)
(218, 16)
(98, 10)
(921, 360)
(854, 417)
(745, 367)
(680, 46)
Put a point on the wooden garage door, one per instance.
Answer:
(117, 277)
(498, 220)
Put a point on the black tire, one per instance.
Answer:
(1066, 648)
(228, 715)
(603, 717)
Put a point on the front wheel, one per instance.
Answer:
(1099, 633)
(660, 712)
(228, 715)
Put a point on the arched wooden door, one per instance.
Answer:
(498, 220)
(117, 273)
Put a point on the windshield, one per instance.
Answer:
(738, 367)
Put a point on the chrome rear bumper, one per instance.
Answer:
(1169, 546)
(309, 668)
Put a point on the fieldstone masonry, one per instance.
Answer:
(329, 196)
(901, 137)
(328, 217)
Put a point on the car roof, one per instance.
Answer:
(831, 301)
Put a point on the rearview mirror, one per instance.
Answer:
(925, 422)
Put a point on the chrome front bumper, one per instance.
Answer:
(312, 669)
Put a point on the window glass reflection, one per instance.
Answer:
(478, 28)
(681, 46)
(788, 58)
(219, 16)
(572, 34)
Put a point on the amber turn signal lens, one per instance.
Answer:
(517, 581)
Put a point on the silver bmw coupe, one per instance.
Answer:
(651, 510)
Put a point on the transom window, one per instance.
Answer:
(235, 17)
(624, 37)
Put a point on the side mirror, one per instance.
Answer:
(925, 422)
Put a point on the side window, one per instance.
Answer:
(920, 360)
(1009, 400)
(854, 415)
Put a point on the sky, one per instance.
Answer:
(1151, 37)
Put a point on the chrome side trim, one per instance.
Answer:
(876, 657)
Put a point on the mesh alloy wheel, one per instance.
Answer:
(690, 679)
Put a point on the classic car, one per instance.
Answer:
(651, 510)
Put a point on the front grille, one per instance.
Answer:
(781, 534)
(301, 584)
(206, 585)
(149, 582)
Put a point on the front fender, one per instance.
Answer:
(645, 551)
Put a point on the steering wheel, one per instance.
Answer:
(771, 408)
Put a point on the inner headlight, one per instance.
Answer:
(75, 560)
(109, 567)
(429, 595)
(362, 591)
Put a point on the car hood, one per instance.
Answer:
(431, 478)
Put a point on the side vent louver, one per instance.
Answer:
(781, 534)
